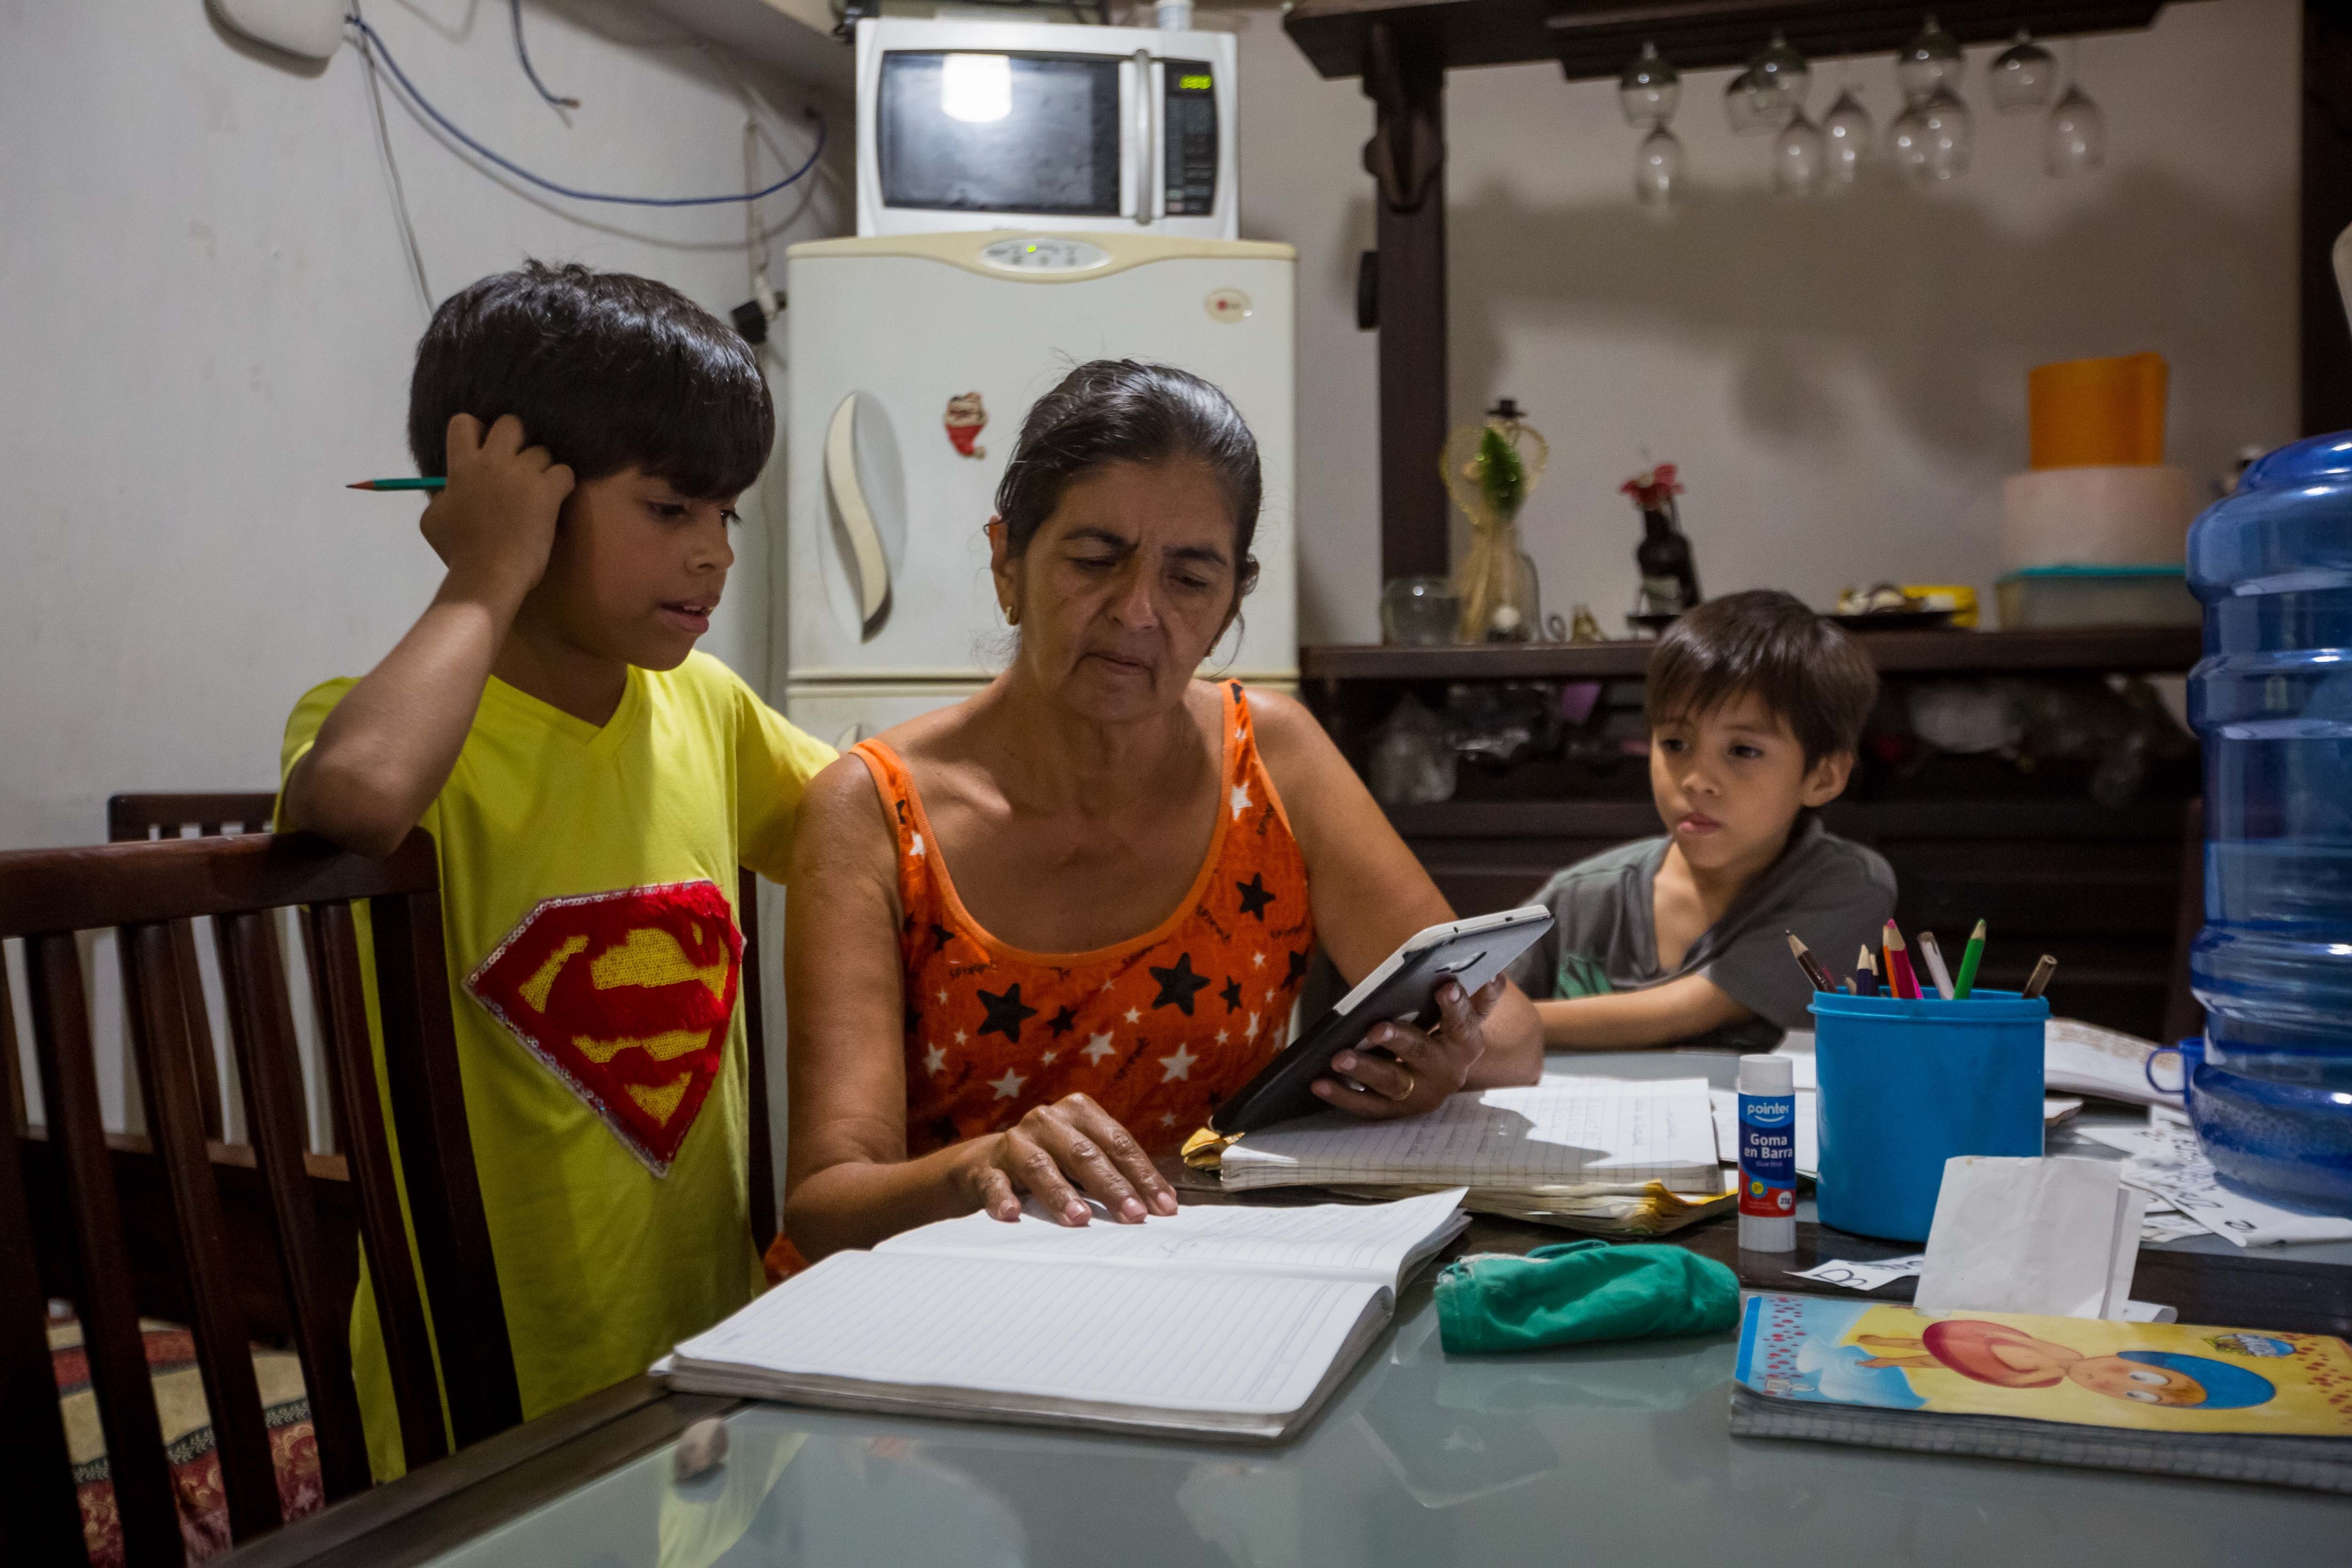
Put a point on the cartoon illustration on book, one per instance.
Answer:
(2082, 1370)
(2001, 1355)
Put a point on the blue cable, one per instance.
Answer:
(522, 52)
(375, 41)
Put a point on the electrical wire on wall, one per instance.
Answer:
(522, 53)
(415, 252)
(373, 42)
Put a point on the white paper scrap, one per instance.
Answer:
(1856, 1276)
(2166, 1161)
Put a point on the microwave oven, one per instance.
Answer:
(1035, 125)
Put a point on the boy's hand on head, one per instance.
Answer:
(494, 524)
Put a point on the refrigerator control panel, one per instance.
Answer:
(1044, 253)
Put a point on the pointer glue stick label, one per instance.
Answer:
(1768, 1155)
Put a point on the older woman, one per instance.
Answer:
(1036, 938)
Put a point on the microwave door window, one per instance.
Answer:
(1000, 132)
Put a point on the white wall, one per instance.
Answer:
(1843, 382)
(206, 324)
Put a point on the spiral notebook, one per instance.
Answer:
(1227, 1323)
(1562, 1132)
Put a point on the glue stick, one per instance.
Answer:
(1768, 1155)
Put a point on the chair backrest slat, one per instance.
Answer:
(153, 992)
(399, 1307)
(12, 1061)
(41, 1515)
(762, 1162)
(437, 1161)
(112, 1340)
(262, 1031)
(239, 882)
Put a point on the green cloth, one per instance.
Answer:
(1581, 1291)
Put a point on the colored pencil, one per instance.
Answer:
(423, 484)
(1899, 978)
(2039, 981)
(1865, 974)
(1936, 970)
(1970, 956)
(1808, 962)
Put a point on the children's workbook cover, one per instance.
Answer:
(2156, 1377)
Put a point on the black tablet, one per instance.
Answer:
(1403, 990)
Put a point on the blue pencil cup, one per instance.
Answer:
(1905, 1085)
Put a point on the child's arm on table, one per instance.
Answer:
(388, 747)
(1654, 1015)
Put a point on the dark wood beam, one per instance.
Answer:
(1405, 79)
(1592, 38)
(2326, 210)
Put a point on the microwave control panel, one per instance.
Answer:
(1190, 121)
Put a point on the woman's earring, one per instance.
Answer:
(1011, 615)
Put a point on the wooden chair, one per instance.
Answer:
(137, 816)
(141, 890)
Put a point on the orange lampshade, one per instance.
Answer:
(2098, 413)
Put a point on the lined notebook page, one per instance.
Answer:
(1368, 1241)
(1180, 1341)
(1560, 1131)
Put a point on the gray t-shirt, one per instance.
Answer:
(1832, 892)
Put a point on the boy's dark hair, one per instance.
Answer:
(1125, 411)
(605, 370)
(1803, 669)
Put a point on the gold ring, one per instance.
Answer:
(1411, 1083)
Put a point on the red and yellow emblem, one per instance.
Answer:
(628, 997)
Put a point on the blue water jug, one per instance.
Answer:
(2273, 699)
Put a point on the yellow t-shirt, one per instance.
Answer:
(588, 880)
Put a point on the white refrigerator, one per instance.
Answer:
(913, 360)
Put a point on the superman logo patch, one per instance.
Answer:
(628, 998)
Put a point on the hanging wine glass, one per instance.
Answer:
(2023, 77)
(1931, 60)
(1846, 133)
(1799, 155)
(1780, 80)
(1649, 89)
(1658, 169)
(1931, 140)
(1744, 107)
(2075, 141)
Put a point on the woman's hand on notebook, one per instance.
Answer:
(1423, 1066)
(1061, 1154)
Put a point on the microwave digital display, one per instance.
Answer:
(1191, 121)
(1005, 133)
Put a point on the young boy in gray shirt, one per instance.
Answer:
(1754, 705)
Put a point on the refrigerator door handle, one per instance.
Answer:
(1146, 117)
(872, 567)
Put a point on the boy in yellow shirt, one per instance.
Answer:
(592, 783)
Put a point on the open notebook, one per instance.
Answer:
(1564, 1132)
(1216, 1322)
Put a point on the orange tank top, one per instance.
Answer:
(1158, 1029)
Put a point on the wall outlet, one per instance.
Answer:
(310, 28)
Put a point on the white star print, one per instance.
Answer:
(1097, 1047)
(959, 1034)
(916, 849)
(1251, 1033)
(1177, 1065)
(1008, 1086)
(1257, 961)
(1048, 1058)
(1167, 1119)
(1221, 1037)
(1106, 985)
(1241, 799)
(943, 995)
(1132, 1014)
(935, 1059)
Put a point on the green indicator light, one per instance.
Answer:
(1193, 84)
